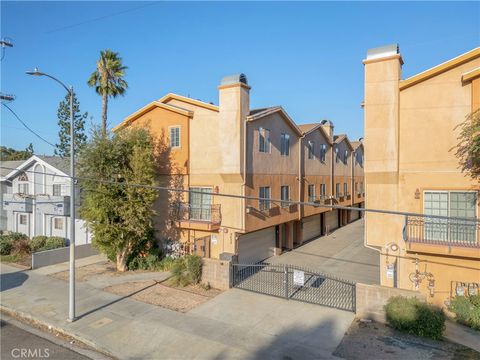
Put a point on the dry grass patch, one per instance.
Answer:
(163, 294)
(83, 273)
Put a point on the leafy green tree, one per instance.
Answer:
(63, 115)
(468, 148)
(7, 154)
(120, 216)
(107, 79)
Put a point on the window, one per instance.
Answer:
(345, 156)
(323, 152)
(264, 193)
(356, 188)
(58, 223)
(337, 190)
(23, 219)
(175, 137)
(285, 144)
(285, 195)
(345, 189)
(200, 203)
(337, 159)
(263, 140)
(23, 188)
(311, 149)
(311, 193)
(57, 189)
(323, 191)
(452, 204)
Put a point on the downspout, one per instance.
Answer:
(300, 176)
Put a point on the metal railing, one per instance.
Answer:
(295, 283)
(208, 213)
(442, 231)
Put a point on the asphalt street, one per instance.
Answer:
(22, 343)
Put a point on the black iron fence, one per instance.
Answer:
(442, 231)
(208, 213)
(295, 283)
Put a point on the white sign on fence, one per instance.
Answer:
(298, 278)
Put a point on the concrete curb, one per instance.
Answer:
(15, 314)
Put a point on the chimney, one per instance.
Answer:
(327, 125)
(234, 107)
(383, 68)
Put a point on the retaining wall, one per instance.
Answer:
(216, 273)
(57, 256)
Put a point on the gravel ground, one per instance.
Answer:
(180, 299)
(101, 268)
(364, 341)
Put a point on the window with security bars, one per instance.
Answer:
(264, 195)
(285, 196)
(285, 144)
(453, 204)
(263, 140)
(175, 137)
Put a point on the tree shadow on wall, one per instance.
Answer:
(170, 175)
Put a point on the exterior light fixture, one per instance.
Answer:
(417, 194)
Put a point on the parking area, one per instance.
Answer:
(341, 254)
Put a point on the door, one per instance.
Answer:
(331, 220)
(311, 227)
(256, 246)
(200, 203)
(202, 246)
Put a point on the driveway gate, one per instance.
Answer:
(296, 283)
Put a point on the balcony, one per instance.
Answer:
(18, 202)
(442, 235)
(52, 204)
(199, 217)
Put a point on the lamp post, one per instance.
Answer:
(71, 298)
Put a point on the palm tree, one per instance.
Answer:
(108, 80)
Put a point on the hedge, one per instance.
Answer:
(467, 310)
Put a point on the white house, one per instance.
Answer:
(35, 198)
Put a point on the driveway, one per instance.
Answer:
(341, 254)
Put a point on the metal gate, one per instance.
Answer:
(295, 283)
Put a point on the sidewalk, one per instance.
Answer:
(234, 325)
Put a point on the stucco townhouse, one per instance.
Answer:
(411, 130)
(232, 149)
(35, 198)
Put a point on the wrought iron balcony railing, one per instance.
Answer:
(207, 213)
(438, 230)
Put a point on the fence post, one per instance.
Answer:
(286, 281)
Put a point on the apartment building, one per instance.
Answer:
(232, 149)
(35, 199)
(410, 131)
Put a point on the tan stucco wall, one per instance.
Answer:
(409, 135)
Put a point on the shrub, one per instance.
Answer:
(15, 236)
(38, 242)
(187, 270)
(467, 310)
(166, 263)
(150, 262)
(5, 245)
(53, 242)
(415, 317)
(21, 247)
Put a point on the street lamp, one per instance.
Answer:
(71, 298)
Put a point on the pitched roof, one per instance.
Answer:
(438, 69)
(307, 127)
(188, 100)
(62, 164)
(7, 166)
(55, 163)
(339, 138)
(356, 144)
(260, 113)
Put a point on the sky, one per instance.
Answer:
(305, 56)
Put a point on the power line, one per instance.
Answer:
(292, 202)
(27, 127)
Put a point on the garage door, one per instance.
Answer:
(331, 220)
(256, 246)
(311, 227)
